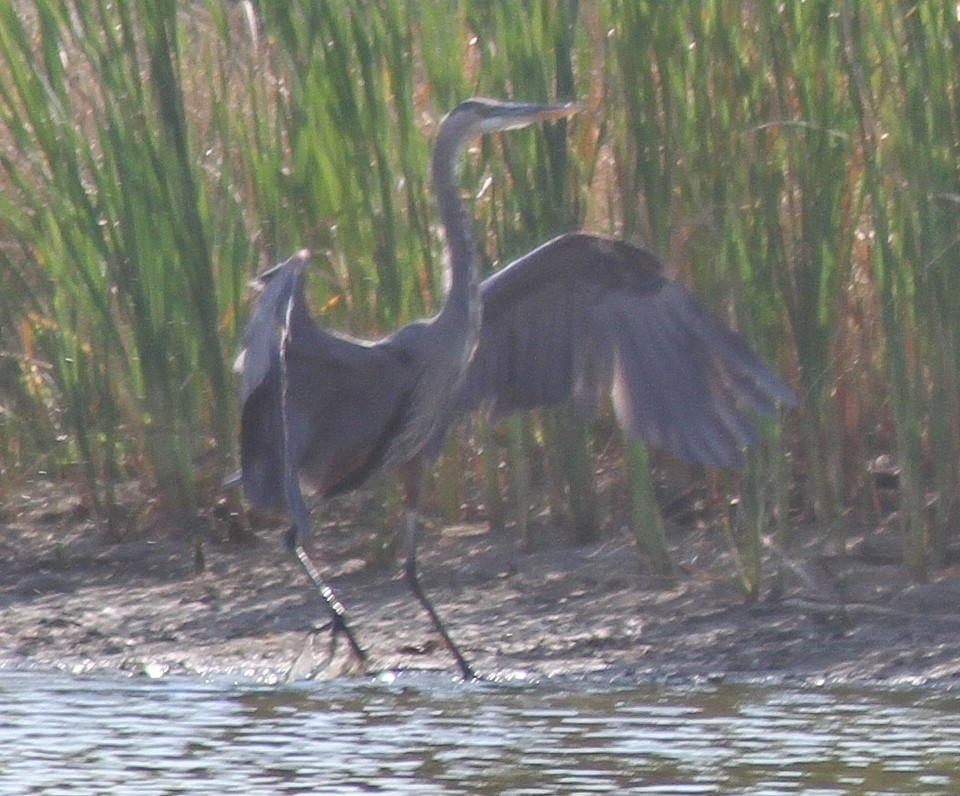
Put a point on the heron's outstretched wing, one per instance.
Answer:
(582, 315)
(341, 399)
(261, 423)
(261, 336)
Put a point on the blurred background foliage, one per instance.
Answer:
(795, 163)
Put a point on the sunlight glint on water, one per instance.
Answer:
(424, 733)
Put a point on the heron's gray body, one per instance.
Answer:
(579, 317)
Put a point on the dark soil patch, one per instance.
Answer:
(70, 601)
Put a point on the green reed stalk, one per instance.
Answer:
(911, 169)
(895, 283)
(651, 80)
(518, 458)
(926, 143)
(490, 476)
(119, 219)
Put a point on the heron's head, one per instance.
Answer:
(483, 115)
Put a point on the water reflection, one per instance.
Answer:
(429, 734)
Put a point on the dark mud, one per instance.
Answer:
(71, 601)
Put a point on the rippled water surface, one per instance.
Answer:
(427, 734)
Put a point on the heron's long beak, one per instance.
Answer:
(512, 115)
(559, 111)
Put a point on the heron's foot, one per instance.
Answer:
(319, 661)
(353, 660)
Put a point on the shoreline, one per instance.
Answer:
(71, 602)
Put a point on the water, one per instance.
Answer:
(422, 734)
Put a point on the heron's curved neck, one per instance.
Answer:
(463, 263)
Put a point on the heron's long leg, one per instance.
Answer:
(411, 479)
(294, 539)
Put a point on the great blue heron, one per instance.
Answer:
(575, 318)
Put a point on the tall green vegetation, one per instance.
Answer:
(797, 164)
(106, 204)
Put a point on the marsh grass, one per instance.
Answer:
(796, 164)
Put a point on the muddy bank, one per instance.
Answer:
(70, 601)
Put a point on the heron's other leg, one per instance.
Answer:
(294, 538)
(410, 477)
